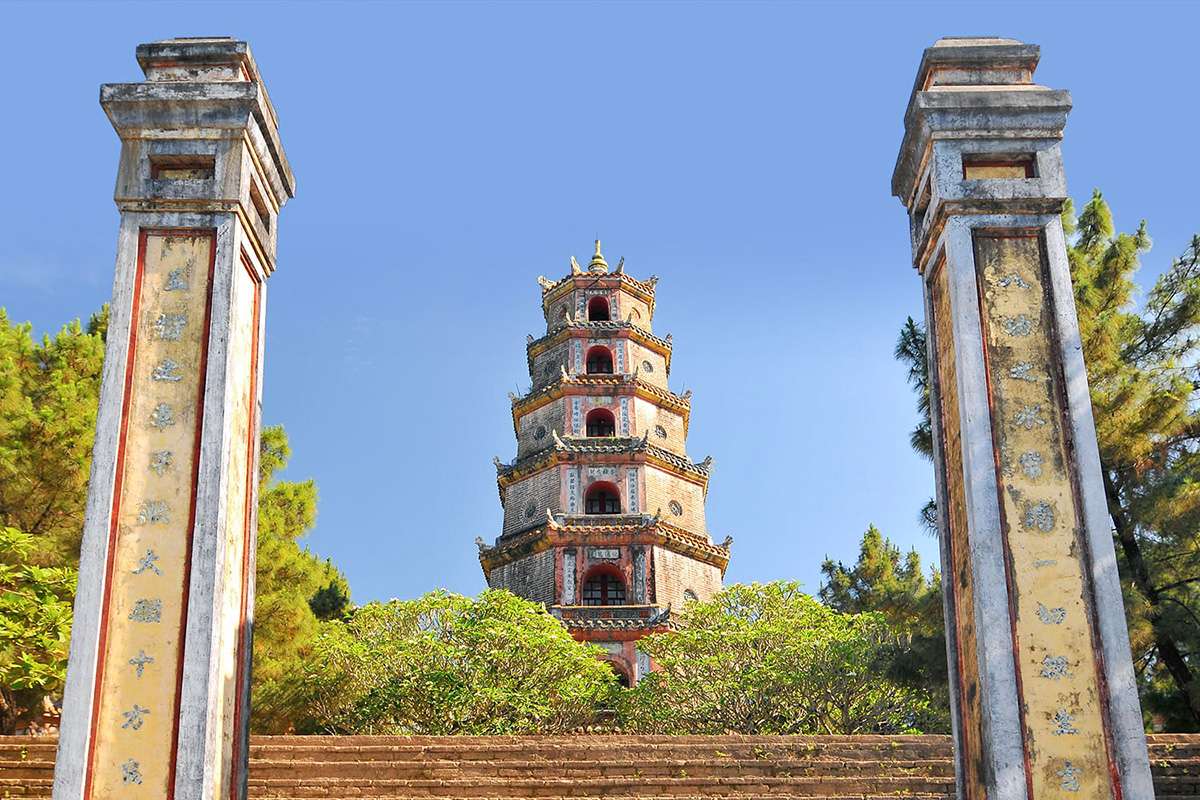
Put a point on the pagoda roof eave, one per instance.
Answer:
(535, 399)
(651, 529)
(561, 450)
(553, 290)
(635, 332)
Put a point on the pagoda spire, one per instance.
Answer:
(598, 264)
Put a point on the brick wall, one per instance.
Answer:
(662, 487)
(649, 416)
(558, 312)
(546, 365)
(531, 577)
(539, 492)
(675, 573)
(638, 355)
(639, 309)
(550, 417)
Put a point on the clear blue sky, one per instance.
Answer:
(446, 155)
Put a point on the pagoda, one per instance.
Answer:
(603, 510)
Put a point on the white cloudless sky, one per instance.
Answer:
(448, 154)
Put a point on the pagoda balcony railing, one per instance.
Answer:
(605, 520)
(614, 617)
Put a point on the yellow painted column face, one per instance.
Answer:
(153, 514)
(1065, 744)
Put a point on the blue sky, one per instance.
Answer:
(446, 155)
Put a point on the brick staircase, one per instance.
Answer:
(680, 768)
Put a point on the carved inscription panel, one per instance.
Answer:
(153, 511)
(1057, 650)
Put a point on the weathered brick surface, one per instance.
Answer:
(548, 366)
(531, 577)
(663, 487)
(649, 416)
(640, 356)
(675, 574)
(551, 417)
(814, 767)
(539, 491)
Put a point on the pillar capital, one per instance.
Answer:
(200, 134)
(980, 137)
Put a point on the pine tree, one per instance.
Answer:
(894, 585)
(48, 397)
(295, 590)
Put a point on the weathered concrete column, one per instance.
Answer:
(1042, 682)
(157, 691)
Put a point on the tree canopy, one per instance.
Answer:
(893, 584)
(49, 391)
(448, 664)
(769, 659)
(35, 628)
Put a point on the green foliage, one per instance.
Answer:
(894, 585)
(35, 627)
(447, 664)
(769, 659)
(295, 590)
(910, 350)
(48, 397)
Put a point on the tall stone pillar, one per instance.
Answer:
(156, 702)
(1043, 691)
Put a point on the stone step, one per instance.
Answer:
(775, 795)
(582, 768)
(25, 787)
(554, 751)
(41, 788)
(594, 766)
(26, 769)
(603, 787)
(27, 752)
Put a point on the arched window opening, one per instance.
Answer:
(600, 422)
(598, 309)
(604, 587)
(602, 498)
(622, 675)
(599, 361)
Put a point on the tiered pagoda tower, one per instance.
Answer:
(603, 510)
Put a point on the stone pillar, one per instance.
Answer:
(157, 695)
(1042, 683)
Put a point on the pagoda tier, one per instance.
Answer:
(603, 509)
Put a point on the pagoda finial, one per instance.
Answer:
(598, 264)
